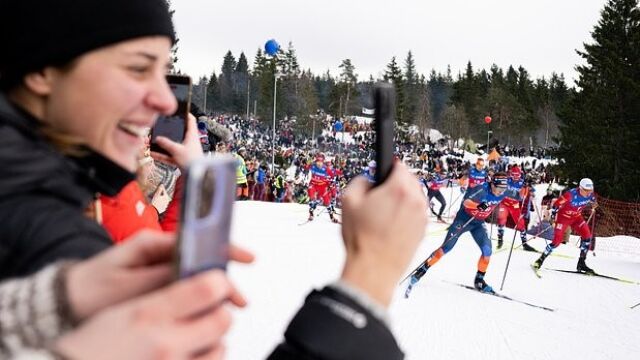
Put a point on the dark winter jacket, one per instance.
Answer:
(332, 325)
(43, 195)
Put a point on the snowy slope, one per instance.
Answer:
(441, 320)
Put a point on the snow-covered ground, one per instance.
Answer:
(592, 317)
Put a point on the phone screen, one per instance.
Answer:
(174, 126)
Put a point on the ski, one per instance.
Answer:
(506, 297)
(626, 281)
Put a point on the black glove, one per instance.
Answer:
(554, 211)
(483, 206)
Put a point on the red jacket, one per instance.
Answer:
(128, 212)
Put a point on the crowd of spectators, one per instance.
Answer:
(349, 151)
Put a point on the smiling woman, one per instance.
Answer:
(79, 84)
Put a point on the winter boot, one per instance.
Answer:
(415, 277)
(481, 285)
(525, 245)
(310, 215)
(583, 268)
(538, 263)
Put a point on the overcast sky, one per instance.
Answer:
(541, 35)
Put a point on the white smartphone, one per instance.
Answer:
(206, 214)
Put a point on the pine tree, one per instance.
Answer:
(291, 66)
(308, 103)
(324, 86)
(348, 80)
(440, 90)
(199, 91)
(467, 94)
(213, 94)
(394, 75)
(226, 82)
(600, 129)
(264, 72)
(424, 117)
(241, 78)
(456, 123)
(411, 88)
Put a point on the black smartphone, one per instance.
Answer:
(385, 110)
(174, 126)
(206, 214)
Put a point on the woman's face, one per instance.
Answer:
(108, 97)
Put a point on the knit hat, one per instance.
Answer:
(36, 33)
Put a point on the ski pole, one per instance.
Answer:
(491, 227)
(450, 198)
(579, 240)
(451, 205)
(513, 241)
(593, 232)
(441, 246)
(634, 306)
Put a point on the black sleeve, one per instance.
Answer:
(39, 232)
(330, 325)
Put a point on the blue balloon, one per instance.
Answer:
(271, 47)
(338, 126)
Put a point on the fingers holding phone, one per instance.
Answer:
(183, 153)
(174, 138)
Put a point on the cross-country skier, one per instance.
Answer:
(479, 203)
(476, 175)
(370, 172)
(319, 187)
(333, 189)
(567, 212)
(434, 183)
(513, 205)
(528, 193)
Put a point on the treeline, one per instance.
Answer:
(521, 107)
(596, 125)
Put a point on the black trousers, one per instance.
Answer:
(438, 196)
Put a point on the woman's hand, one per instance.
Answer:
(181, 154)
(382, 228)
(140, 265)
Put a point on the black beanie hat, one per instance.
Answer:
(39, 33)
